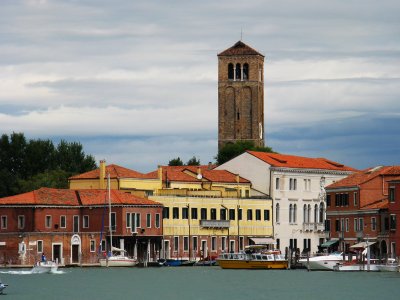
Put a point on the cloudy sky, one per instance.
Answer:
(136, 81)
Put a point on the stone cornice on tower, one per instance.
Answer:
(239, 48)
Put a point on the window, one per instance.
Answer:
(175, 212)
(373, 223)
(148, 220)
(307, 185)
(241, 243)
(277, 213)
(194, 213)
(391, 195)
(185, 243)
(176, 243)
(63, 221)
(238, 72)
(245, 71)
(222, 214)
(213, 243)
(240, 214)
(230, 72)
(249, 215)
(103, 245)
(39, 246)
(223, 243)
(290, 213)
(185, 213)
(113, 221)
(295, 213)
(92, 246)
(321, 212)
(337, 225)
(386, 223)
(231, 214)
(392, 222)
(305, 214)
(48, 221)
(356, 228)
(138, 220)
(157, 220)
(266, 214)
(166, 212)
(292, 184)
(355, 200)
(195, 242)
(76, 224)
(258, 214)
(3, 222)
(21, 222)
(327, 225)
(128, 220)
(347, 225)
(278, 244)
(85, 221)
(133, 222)
(203, 213)
(328, 200)
(277, 184)
(213, 213)
(361, 224)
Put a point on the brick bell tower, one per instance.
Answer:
(240, 95)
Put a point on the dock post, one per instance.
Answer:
(308, 261)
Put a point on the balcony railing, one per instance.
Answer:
(308, 226)
(319, 226)
(215, 223)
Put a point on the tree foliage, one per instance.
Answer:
(193, 162)
(231, 150)
(175, 162)
(28, 165)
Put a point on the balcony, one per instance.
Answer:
(308, 226)
(215, 223)
(319, 227)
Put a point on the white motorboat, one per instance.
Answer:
(117, 257)
(354, 267)
(391, 266)
(2, 287)
(45, 267)
(323, 262)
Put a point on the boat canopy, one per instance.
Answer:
(263, 241)
(117, 249)
(329, 243)
(362, 245)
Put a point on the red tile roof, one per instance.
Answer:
(239, 48)
(115, 171)
(292, 161)
(189, 174)
(364, 176)
(380, 204)
(48, 196)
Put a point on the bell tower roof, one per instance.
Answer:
(239, 48)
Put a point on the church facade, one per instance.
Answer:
(240, 95)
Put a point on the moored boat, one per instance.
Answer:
(323, 262)
(2, 287)
(354, 267)
(254, 257)
(391, 266)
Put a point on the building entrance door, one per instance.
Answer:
(75, 254)
(57, 253)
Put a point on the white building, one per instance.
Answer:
(296, 185)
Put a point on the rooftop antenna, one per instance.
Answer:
(241, 33)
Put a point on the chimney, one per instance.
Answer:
(237, 178)
(160, 173)
(209, 165)
(102, 177)
(199, 171)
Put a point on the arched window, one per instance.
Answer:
(305, 214)
(230, 71)
(316, 213)
(277, 213)
(290, 213)
(321, 212)
(238, 72)
(294, 213)
(246, 72)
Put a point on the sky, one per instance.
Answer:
(136, 81)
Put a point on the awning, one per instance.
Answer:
(263, 241)
(329, 243)
(362, 245)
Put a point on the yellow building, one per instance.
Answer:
(206, 211)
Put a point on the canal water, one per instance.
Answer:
(197, 283)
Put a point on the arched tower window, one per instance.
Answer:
(246, 72)
(238, 72)
(230, 71)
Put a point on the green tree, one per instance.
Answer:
(193, 162)
(231, 150)
(52, 179)
(175, 162)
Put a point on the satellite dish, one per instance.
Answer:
(199, 176)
